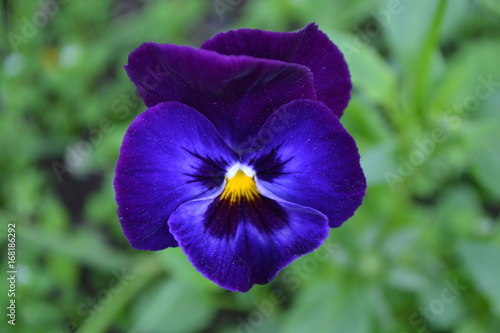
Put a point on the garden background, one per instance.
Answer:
(422, 254)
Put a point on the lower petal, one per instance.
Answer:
(237, 246)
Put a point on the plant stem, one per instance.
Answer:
(423, 66)
(145, 270)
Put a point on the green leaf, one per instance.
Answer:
(172, 306)
(365, 122)
(84, 246)
(377, 161)
(406, 279)
(176, 263)
(144, 271)
(481, 262)
(442, 304)
(329, 307)
(487, 165)
(467, 76)
(370, 73)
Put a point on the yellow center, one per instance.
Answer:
(238, 187)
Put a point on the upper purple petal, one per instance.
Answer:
(240, 245)
(304, 155)
(309, 47)
(236, 93)
(170, 154)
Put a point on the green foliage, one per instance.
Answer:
(422, 253)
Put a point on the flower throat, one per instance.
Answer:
(239, 187)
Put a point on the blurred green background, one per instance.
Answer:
(421, 255)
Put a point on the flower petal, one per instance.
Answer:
(305, 156)
(309, 47)
(236, 93)
(170, 154)
(242, 245)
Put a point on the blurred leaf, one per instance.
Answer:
(485, 171)
(176, 263)
(460, 211)
(54, 219)
(365, 122)
(353, 12)
(133, 281)
(492, 7)
(407, 279)
(442, 305)
(377, 161)
(406, 27)
(398, 242)
(473, 66)
(457, 13)
(370, 73)
(481, 262)
(84, 246)
(172, 306)
(328, 307)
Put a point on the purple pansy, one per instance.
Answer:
(240, 158)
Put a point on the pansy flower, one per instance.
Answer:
(240, 158)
